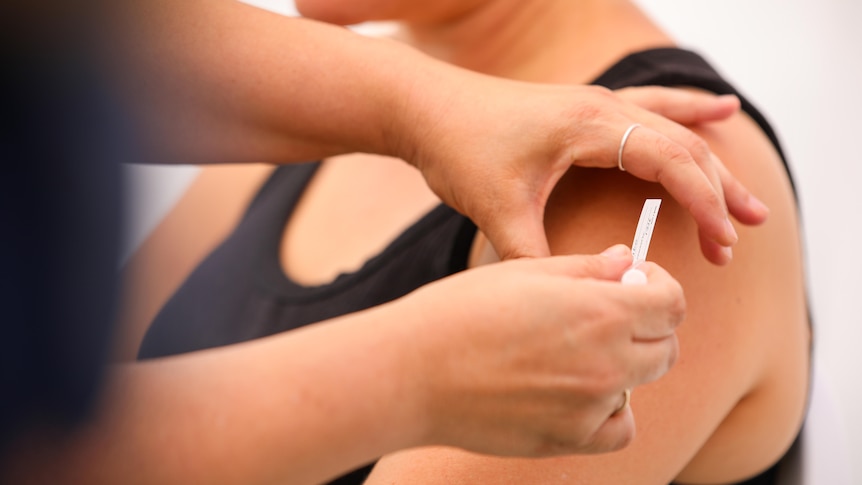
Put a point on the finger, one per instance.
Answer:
(604, 425)
(616, 432)
(521, 236)
(714, 252)
(652, 156)
(744, 206)
(697, 148)
(650, 360)
(680, 105)
(657, 307)
(608, 266)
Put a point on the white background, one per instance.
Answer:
(801, 62)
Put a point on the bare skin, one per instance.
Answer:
(196, 418)
(700, 402)
(265, 411)
(714, 413)
(735, 401)
(220, 81)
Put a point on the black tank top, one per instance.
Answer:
(239, 292)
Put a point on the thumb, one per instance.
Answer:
(518, 237)
(609, 265)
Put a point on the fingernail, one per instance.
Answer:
(730, 232)
(616, 251)
(758, 205)
(727, 252)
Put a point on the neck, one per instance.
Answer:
(540, 40)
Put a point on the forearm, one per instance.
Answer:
(218, 80)
(295, 408)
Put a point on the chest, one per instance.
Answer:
(351, 210)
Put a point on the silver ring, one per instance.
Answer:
(623, 145)
(627, 398)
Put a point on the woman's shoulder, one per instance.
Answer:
(734, 401)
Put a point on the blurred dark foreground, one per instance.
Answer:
(62, 137)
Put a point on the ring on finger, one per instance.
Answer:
(628, 132)
(627, 397)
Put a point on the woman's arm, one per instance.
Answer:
(734, 402)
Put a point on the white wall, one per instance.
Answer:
(801, 61)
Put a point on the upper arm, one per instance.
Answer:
(734, 400)
(204, 215)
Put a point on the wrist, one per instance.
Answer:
(422, 89)
(426, 364)
(400, 354)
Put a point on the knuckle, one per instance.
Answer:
(677, 311)
(697, 146)
(674, 351)
(592, 266)
(553, 444)
(606, 380)
(602, 91)
(710, 202)
(610, 321)
(611, 439)
(623, 438)
(627, 91)
(673, 303)
(596, 105)
(588, 111)
(619, 321)
(675, 154)
(513, 252)
(664, 361)
(672, 157)
(677, 303)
